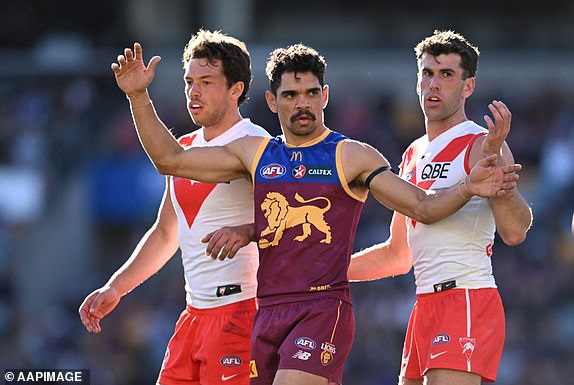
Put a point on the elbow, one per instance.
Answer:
(164, 169)
(423, 218)
(514, 238)
(166, 165)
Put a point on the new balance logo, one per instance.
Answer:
(300, 354)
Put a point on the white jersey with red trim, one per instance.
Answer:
(458, 247)
(205, 207)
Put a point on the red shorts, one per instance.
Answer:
(312, 336)
(210, 346)
(460, 329)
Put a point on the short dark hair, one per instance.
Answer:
(296, 58)
(232, 52)
(445, 42)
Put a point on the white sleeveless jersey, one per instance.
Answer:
(204, 207)
(458, 247)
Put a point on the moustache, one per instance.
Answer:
(308, 114)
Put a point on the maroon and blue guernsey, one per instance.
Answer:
(306, 217)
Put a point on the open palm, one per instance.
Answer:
(132, 75)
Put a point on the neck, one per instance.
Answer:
(435, 128)
(302, 140)
(213, 131)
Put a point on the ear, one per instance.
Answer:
(271, 101)
(237, 89)
(469, 84)
(325, 95)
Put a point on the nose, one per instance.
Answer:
(434, 83)
(302, 103)
(193, 90)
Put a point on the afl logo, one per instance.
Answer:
(441, 339)
(299, 171)
(306, 343)
(230, 361)
(272, 171)
(410, 175)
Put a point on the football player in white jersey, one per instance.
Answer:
(457, 327)
(211, 341)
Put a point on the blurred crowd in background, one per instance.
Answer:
(77, 192)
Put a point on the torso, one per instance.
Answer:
(458, 247)
(202, 208)
(306, 218)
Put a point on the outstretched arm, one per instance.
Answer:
(207, 164)
(425, 206)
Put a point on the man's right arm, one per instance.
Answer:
(153, 251)
(388, 259)
(207, 164)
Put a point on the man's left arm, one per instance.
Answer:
(512, 214)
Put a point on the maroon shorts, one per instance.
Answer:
(311, 336)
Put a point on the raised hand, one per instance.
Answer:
(96, 306)
(488, 180)
(132, 75)
(497, 130)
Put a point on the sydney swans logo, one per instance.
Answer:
(281, 216)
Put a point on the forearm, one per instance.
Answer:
(513, 217)
(378, 261)
(438, 205)
(150, 255)
(159, 144)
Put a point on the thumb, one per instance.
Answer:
(153, 62)
(95, 307)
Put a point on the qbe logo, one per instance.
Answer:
(272, 171)
(306, 343)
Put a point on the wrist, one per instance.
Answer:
(464, 190)
(139, 99)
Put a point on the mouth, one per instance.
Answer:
(194, 106)
(303, 117)
(433, 99)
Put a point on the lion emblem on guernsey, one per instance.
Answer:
(281, 216)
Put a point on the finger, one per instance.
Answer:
(233, 251)
(138, 51)
(207, 237)
(128, 53)
(510, 168)
(220, 245)
(215, 237)
(226, 251)
(489, 122)
(121, 60)
(153, 63)
(115, 67)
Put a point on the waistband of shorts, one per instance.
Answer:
(245, 305)
(340, 294)
(454, 291)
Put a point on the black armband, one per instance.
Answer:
(374, 174)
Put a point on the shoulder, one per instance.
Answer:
(251, 129)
